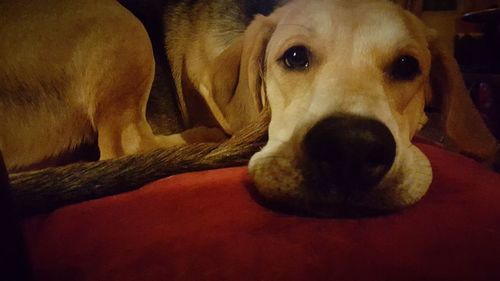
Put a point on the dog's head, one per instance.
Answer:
(347, 83)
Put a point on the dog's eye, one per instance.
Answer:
(405, 68)
(296, 58)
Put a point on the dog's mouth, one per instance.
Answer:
(282, 187)
(280, 184)
(355, 173)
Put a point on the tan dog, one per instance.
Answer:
(346, 82)
(73, 71)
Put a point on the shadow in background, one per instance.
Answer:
(14, 262)
(162, 110)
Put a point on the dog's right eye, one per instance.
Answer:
(296, 58)
(405, 68)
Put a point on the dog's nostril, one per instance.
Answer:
(357, 151)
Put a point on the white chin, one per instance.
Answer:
(417, 178)
(404, 185)
(277, 180)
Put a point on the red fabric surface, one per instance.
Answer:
(205, 226)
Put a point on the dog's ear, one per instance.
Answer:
(233, 90)
(461, 121)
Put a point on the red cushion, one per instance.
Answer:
(205, 226)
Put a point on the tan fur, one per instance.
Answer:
(44, 190)
(462, 122)
(95, 79)
(235, 70)
(354, 43)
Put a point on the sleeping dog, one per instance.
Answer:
(346, 83)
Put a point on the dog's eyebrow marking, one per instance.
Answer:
(288, 32)
(308, 29)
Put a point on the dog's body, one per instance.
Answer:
(326, 69)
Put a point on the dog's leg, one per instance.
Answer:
(120, 115)
(122, 86)
(122, 126)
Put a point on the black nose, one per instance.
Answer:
(350, 152)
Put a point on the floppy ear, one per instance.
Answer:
(233, 90)
(461, 120)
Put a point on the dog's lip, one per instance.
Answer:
(324, 183)
(315, 208)
(391, 195)
(319, 203)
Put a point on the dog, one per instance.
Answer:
(346, 83)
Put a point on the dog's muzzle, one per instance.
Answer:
(348, 153)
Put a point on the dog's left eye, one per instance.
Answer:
(405, 68)
(296, 58)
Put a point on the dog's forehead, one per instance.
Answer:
(341, 20)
